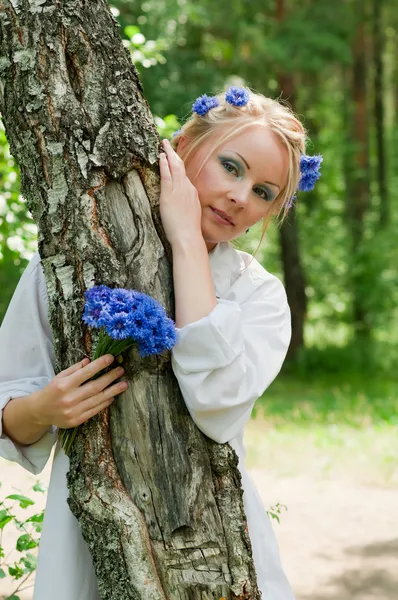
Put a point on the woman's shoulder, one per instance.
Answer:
(33, 276)
(34, 264)
(249, 278)
(253, 269)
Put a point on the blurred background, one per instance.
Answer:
(322, 444)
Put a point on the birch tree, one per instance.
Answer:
(159, 505)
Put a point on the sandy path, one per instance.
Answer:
(338, 541)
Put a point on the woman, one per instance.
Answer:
(235, 162)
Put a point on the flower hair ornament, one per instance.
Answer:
(310, 171)
(234, 95)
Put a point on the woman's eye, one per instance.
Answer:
(230, 167)
(262, 193)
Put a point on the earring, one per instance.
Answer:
(247, 230)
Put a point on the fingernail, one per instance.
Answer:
(109, 360)
(119, 371)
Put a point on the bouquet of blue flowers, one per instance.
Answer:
(124, 317)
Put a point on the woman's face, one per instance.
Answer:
(239, 181)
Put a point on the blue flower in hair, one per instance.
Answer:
(203, 104)
(237, 96)
(310, 172)
(176, 133)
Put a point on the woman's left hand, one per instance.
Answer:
(180, 207)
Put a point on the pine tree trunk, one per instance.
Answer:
(379, 112)
(358, 178)
(159, 505)
(289, 234)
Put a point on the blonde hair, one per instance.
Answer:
(260, 110)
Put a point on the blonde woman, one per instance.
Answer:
(235, 162)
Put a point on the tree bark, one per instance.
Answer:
(379, 112)
(289, 234)
(159, 505)
(358, 177)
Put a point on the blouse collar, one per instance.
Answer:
(226, 265)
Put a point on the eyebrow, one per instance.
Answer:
(247, 165)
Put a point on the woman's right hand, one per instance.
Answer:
(70, 398)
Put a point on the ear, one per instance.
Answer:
(182, 146)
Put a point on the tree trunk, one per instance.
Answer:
(289, 235)
(159, 505)
(378, 45)
(294, 280)
(358, 177)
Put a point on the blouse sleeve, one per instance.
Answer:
(26, 360)
(226, 360)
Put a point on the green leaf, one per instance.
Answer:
(39, 487)
(4, 518)
(13, 597)
(36, 518)
(131, 30)
(24, 502)
(15, 571)
(2, 574)
(30, 561)
(25, 542)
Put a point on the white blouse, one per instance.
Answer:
(223, 363)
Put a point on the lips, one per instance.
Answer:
(223, 215)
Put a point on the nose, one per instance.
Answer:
(240, 193)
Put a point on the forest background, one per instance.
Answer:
(333, 412)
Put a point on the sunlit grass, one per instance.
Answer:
(328, 429)
(356, 401)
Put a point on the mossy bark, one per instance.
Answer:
(159, 505)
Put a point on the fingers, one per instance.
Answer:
(74, 368)
(165, 175)
(89, 370)
(95, 404)
(92, 388)
(175, 164)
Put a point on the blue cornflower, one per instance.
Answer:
(176, 133)
(92, 313)
(237, 96)
(98, 293)
(308, 181)
(120, 300)
(310, 172)
(117, 326)
(204, 103)
(162, 336)
(310, 163)
(130, 316)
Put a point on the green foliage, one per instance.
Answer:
(20, 570)
(183, 49)
(274, 512)
(17, 229)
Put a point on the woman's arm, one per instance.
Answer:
(193, 287)
(20, 422)
(226, 360)
(26, 366)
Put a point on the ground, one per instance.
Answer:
(338, 537)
